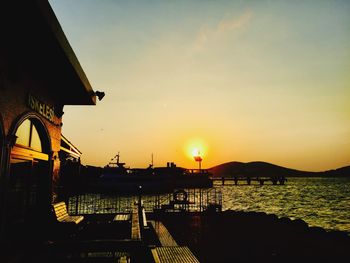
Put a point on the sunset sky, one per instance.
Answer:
(239, 80)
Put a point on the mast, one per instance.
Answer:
(151, 165)
(117, 157)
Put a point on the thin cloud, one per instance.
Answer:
(229, 25)
(224, 27)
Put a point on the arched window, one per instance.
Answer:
(29, 143)
(27, 135)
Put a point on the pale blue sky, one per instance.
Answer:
(245, 80)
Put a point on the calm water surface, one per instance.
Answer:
(323, 202)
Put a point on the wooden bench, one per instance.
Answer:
(62, 216)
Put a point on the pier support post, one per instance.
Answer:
(248, 180)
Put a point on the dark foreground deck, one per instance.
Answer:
(176, 235)
(123, 237)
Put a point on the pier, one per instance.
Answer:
(275, 180)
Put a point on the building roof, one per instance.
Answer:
(34, 41)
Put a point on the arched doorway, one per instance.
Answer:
(29, 177)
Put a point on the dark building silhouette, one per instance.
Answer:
(39, 75)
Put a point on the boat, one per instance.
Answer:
(114, 168)
(117, 178)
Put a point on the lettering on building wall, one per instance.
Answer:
(41, 108)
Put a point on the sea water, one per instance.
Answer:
(323, 202)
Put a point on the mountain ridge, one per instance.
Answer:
(260, 168)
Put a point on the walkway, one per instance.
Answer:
(170, 252)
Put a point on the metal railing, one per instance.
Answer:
(196, 200)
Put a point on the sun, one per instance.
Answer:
(195, 147)
(196, 152)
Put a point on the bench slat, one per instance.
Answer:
(73, 219)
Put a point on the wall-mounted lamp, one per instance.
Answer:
(59, 111)
(99, 95)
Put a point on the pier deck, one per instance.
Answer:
(169, 252)
(173, 255)
(165, 238)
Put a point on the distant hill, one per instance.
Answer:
(340, 172)
(253, 169)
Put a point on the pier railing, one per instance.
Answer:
(192, 200)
